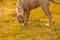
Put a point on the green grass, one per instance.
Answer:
(35, 30)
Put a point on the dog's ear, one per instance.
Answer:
(15, 14)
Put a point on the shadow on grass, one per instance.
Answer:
(36, 23)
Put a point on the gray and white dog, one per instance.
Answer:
(23, 8)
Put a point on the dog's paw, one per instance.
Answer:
(47, 24)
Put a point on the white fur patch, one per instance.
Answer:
(22, 24)
(47, 24)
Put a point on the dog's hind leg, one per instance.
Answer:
(45, 8)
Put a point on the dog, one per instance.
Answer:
(23, 8)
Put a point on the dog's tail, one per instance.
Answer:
(55, 2)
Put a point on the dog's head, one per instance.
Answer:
(20, 18)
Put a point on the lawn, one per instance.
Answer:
(35, 30)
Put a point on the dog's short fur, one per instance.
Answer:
(24, 7)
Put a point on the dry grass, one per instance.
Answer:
(35, 30)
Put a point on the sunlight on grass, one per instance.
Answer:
(35, 30)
